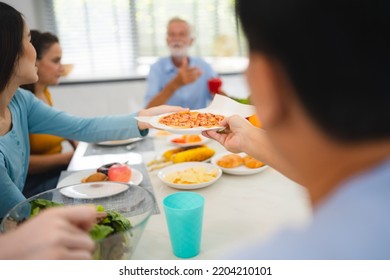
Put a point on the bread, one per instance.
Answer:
(230, 161)
(250, 162)
(95, 177)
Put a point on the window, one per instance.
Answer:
(121, 38)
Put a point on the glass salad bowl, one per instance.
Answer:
(127, 209)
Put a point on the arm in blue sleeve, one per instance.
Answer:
(209, 71)
(48, 120)
(10, 195)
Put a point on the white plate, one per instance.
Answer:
(94, 190)
(76, 177)
(162, 174)
(120, 142)
(203, 141)
(240, 170)
(196, 130)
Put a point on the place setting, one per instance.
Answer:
(137, 145)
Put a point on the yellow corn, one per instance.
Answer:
(195, 154)
(168, 154)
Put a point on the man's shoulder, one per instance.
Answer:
(198, 60)
(201, 63)
(161, 61)
(161, 64)
(350, 224)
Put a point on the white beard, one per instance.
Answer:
(177, 51)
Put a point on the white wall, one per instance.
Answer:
(104, 98)
(99, 99)
(30, 10)
(120, 97)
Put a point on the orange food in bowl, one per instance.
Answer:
(230, 161)
(254, 119)
(187, 139)
(250, 162)
(192, 138)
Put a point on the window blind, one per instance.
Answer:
(118, 38)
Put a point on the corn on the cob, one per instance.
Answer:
(168, 154)
(196, 154)
(166, 157)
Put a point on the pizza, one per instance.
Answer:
(188, 119)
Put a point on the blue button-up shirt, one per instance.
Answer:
(353, 223)
(194, 96)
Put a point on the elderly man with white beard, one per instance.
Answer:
(179, 79)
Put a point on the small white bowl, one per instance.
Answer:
(240, 170)
(203, 140)
(162, 174)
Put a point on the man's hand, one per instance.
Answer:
(235, 136)
(186, 74)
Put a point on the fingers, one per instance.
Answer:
(224, 122)
(77, 240)
(57, 233)
(184, 63)
(194, 72)
(237, 122)
(77, 221)
(77, 255)
(216, 136)
(81, 216)
(189, 75)
(198, 72)
(62, 254)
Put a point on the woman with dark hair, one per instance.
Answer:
(60, 233)
(319, 78)
(21, 113)
(46, 157)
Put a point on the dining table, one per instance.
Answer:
(238, 209)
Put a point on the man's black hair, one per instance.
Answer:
(337, 55)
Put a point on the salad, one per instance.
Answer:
(111, 232)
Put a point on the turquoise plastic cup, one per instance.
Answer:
(184, 214)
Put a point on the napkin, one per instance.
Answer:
(223, 105)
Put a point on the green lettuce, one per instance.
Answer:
(113, 223)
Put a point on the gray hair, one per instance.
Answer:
(179, 19)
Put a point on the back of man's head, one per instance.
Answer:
(337, 55)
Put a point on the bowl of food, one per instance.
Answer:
(125, 210)
(238, 164)
(190, 175)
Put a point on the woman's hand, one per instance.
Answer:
(56, 233)
(155, 111)
(235, 135)
(73, 143)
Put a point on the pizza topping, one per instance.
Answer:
(187, 119)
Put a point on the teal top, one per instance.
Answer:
(30, 115)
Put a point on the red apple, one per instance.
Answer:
(119, 173)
